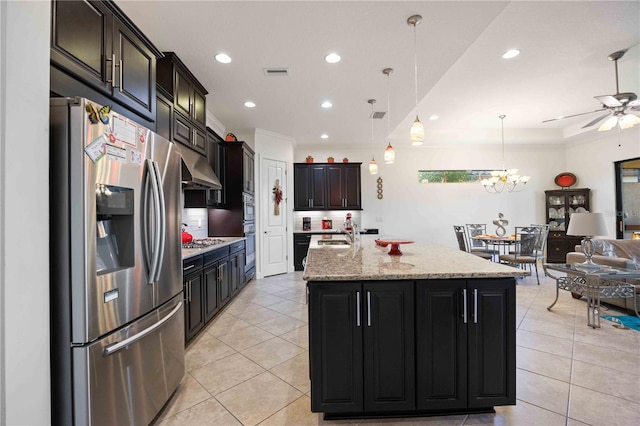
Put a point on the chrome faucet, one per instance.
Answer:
(352, 233)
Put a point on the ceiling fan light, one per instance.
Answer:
(628, 121)
(389, 154)
(417, 132)
(609, 124)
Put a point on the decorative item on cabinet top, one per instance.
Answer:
(330, 159)
(309, 159)
(230, 137)
(565, 180)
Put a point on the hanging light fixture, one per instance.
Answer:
(389, 153)
(417, 129)
(504, 179)
(622, 119)
(373, 166)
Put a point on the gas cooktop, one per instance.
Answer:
(202, 243)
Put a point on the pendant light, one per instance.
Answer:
(389, 153)
(373, 166)
(417, 129)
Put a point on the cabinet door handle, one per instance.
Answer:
(368, 309)
(188, 267)
(189, 287)
(357, 309)
(113, 69)
(464, 305)
(475, 305)
(120, 81)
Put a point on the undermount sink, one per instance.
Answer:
(333, 242)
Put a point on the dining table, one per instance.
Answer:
(501, 244)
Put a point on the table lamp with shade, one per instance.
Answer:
(588, 225)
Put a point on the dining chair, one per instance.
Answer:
(475, 230)
(526, 249)
(461, 237)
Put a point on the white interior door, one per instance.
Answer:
(274, 236)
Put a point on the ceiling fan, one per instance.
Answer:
(619, 106)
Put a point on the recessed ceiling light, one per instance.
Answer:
(433, 117)
(223, 58)
(250, 104)
(324, 136)
(512, 53)
(326, 104)
(332, 58)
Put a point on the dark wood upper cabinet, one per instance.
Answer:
(164, 114)
(81, 39)
(189, 102)
(95, 43)
(328, 186)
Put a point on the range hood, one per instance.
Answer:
(196, 172)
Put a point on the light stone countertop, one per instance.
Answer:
(187, 253)
(368, 261)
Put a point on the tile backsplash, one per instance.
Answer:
(197, 222)
(336, 216)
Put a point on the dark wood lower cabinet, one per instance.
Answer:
(211, 280)
(389, 355)
(300, 248)
(395, 348)
(441, 345)
(194, 309)
(491, 356)
(363, 347)
(335, 351)
(211, 283)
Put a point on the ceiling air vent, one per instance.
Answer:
(271, 72)
(376, 115)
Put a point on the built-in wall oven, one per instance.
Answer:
(250, 250)
(248, 208)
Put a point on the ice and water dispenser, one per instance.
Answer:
(114, 228)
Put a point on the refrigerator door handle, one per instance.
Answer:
(110, 350)
(153, 185)
(162, 215)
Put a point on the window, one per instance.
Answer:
(452, 176)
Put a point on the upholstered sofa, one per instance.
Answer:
(617, 253)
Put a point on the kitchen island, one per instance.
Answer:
(429, 332)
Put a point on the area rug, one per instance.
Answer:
(623, 321)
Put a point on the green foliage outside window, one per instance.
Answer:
(452, 176)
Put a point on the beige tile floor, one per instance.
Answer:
(250, 365)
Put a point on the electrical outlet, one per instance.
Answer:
(379, 219)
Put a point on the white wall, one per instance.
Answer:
(426, 212)
(24, 213)
(592, 161)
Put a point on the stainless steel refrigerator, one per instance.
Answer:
(117, 320)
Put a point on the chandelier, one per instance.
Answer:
(504, 179)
